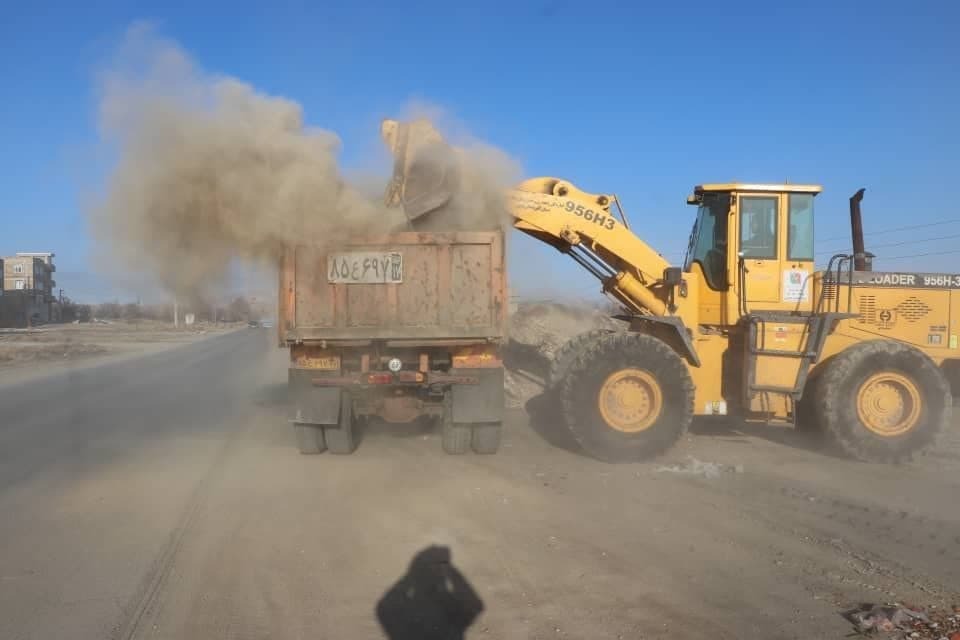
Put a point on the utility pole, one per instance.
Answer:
(176, 314)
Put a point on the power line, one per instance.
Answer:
(921, 255)
(895, 244)
(895, 229)
(909, 255)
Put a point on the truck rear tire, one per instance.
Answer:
(455, 437)
(310, 440)
(485, 438)
(627, 397)
(883, 401)
(341, 439)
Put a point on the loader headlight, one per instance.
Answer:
(394, 364)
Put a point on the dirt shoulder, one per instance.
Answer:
(27, 354)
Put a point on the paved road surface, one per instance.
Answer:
(163, 498)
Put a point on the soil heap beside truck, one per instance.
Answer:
(403, 327)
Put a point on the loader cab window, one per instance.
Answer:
(708, 241)
(800, 231)
(758, 227)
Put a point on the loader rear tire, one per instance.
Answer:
(808, 415)
(310, 440)
(627, 397)
(341, 439)
(883, 401)
(455, 437)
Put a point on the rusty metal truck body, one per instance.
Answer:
(398, 327)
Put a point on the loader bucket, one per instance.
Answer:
(425, 169)
(431, 180)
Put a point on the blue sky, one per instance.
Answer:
(642, 101)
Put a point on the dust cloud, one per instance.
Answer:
(210, 170)
(479, 202)
(480, 174)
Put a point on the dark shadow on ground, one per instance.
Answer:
(547, 421)
(432, 601)
(735, 430)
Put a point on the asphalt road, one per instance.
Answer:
(163, 498)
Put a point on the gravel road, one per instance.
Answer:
(163, 497)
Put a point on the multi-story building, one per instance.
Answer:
(28, 286)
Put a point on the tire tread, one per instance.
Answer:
(841, 431)
(630, 349)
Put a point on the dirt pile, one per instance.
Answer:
(536, 332)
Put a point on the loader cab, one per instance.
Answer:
(752, 246)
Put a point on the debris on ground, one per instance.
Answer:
(696, 467)
(17, 353)
(536, 332)
(898, 621)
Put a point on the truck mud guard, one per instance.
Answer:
(310, 404)
(480, 402)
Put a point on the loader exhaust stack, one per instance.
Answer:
(861, 260)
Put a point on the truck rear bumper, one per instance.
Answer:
(383, 378)
(476, 394)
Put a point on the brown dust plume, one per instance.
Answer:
(209, 170)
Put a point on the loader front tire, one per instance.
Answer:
(568, 352)
(627, 397)
(883, 401)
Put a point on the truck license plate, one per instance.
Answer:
(324, 362)
(365, 267)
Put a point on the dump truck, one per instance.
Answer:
(401, 327)
(744, 327)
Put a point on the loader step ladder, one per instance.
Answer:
(809, 341)
(809, 346)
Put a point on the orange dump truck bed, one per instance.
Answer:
(404, 286)
(397, 327)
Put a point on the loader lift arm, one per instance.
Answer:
(426, 177)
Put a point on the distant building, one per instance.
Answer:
(28, 288)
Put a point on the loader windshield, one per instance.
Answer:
(708, 240)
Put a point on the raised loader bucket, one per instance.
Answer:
(425, 169)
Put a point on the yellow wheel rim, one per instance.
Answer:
(630, 400)
(888, 404)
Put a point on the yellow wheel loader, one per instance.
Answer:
(745, 327)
